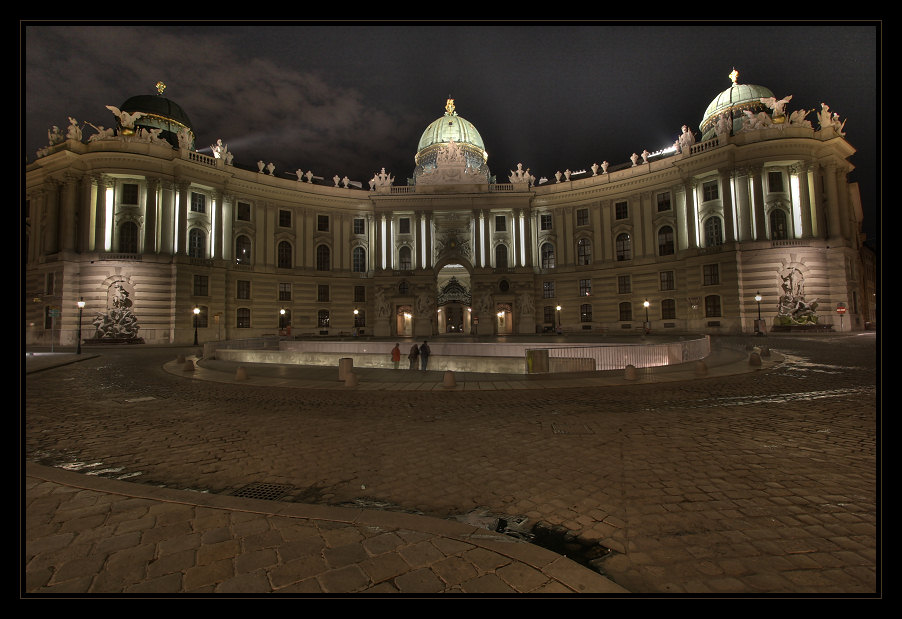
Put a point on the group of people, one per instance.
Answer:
(420, 353)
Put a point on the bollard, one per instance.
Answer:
(630, 372)
(241, 374)
(449, 379)
(189, 366)
(345, 367)
(351, 379)
(700, 368)
(755, 359)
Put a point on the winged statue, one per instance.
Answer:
(125, 119)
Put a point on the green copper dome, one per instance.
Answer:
(734, 100)
(159, 113)
(451, 127)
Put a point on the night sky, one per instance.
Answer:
(352, 98)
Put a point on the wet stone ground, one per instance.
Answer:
(763, 482)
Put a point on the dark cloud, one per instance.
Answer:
(351, 99)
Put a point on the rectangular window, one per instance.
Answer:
(359, 226)
(667, 280)
(243, 212)
(48, 284)
(500, 223)
(359, 294)
(585, 287)
(709, 191)
(284, 218)
(244, 289)
(548, 314)
(322, 293)
(623, 284)
(201, 317)
(626, 312)
(360, 319)
(243, 318)
(322, 223)
(404, 225)
(284, 292)
(585, 313)
(582, 217)
(198, 202)
(668, 309)
(775, 181)
(712, 306)
(201, 286)
(711, 274)
(663, 202)
(548, 290)
(545, 221)
(621, 210)
(129, 193)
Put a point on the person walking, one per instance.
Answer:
(413, 355)
(396, 355)
(424, 354)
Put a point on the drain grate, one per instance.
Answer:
(267, 492)
(571, 428)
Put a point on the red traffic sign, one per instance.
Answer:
(840, 310)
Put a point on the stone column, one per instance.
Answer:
(167, 215)
(757, 182)
(184, 202)
(50, 217)
(379, 253)
(100, 214)
(691, 214)
(67, 207)
(486, 244)
(727, 201)
(150, 216)
(417, 261)
(800, 170)
(834, 223)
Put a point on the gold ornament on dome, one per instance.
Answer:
(734, 75)
(449, 106)
(160, 87)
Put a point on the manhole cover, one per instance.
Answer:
(267, 492)
(571, 428)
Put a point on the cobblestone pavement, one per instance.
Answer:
(757, 484)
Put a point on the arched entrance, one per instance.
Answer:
(404, 321)
(453, 300)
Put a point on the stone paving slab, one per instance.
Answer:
(744, 481)
(165, 541)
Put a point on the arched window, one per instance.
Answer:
(322, 258)
(626, 311)
(624, 247)
(197, 243)
(283, 258)
(501, 256)
(778, 228)
(358, 260)
(242, 250)
(584, 251)
(128, 238)
(403, 288)
(665, 241)
(404, 258)
(547, 256)
(713, 232)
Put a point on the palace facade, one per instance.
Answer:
(166, 244)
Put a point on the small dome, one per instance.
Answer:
(159, 113)
(734, 100)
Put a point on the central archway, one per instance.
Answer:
(453, 300)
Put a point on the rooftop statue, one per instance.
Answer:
(777, 106)
(74, 132)
(126, 120)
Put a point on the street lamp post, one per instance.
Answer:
(647, 323)
(356, 313)
(81, 306)
(558, 308)
(196, 312)
(758, 322)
